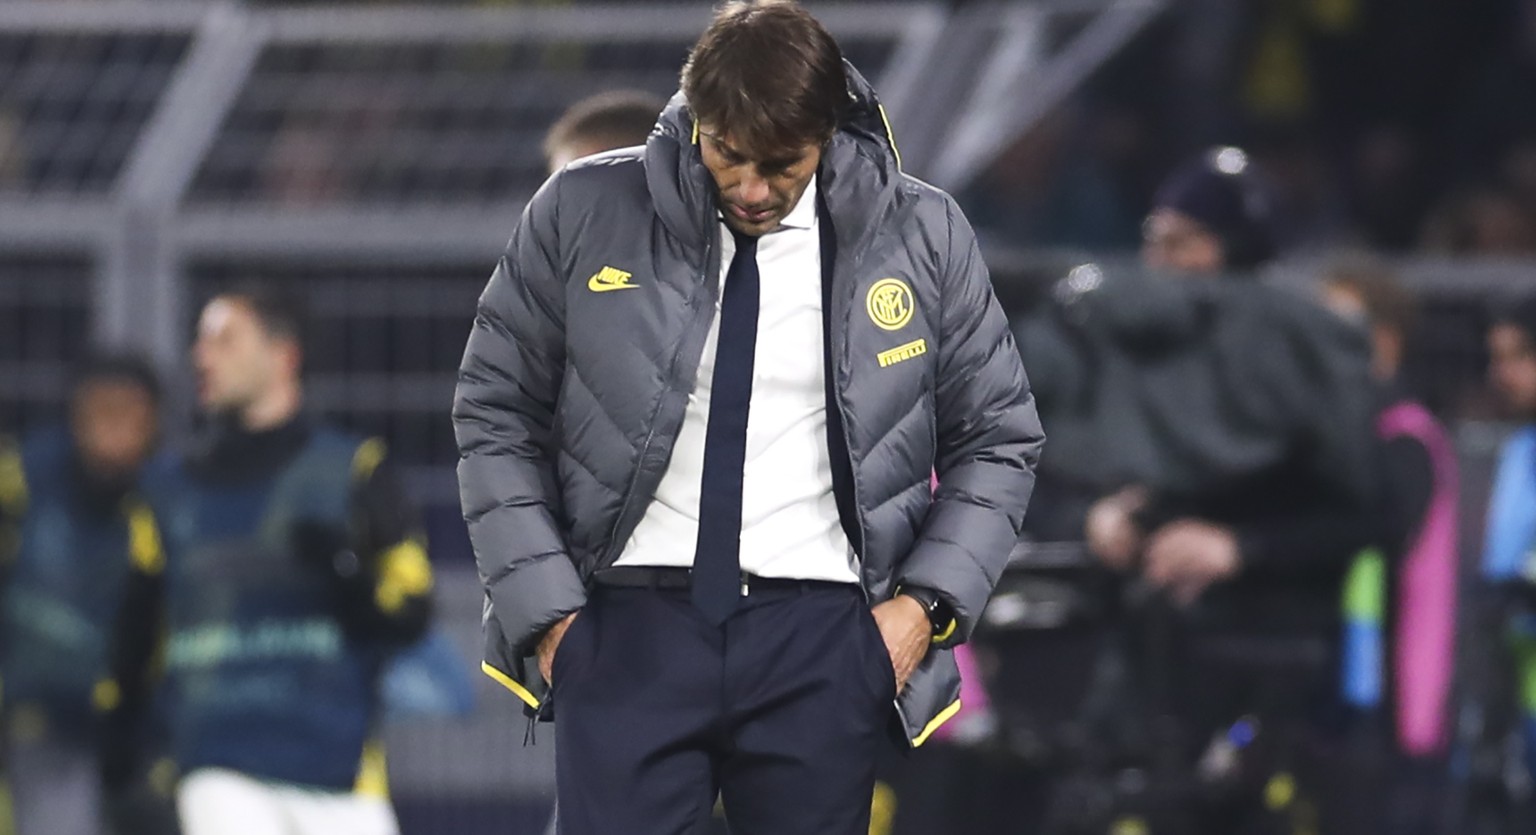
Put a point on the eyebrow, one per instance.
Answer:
(775, 162)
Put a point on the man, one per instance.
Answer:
(1216, 448)
(1211, 217)
(599, 123)
(1509, 550)
(723, 603)
(1400, 595)
(1210, 222)
(68, 515)
(291, 569)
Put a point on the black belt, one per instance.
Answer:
(678, 579)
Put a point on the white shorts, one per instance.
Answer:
(217, 802)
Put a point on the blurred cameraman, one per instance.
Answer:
(1212, 436)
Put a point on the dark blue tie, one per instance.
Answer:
(717, 556)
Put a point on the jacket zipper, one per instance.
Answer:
(614, 545)
(837, 324)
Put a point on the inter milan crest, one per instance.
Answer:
(890, 303)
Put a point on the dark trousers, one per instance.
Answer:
(781, 713)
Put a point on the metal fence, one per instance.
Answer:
(374, 158)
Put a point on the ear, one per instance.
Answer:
(292, 357)
(1387, 351)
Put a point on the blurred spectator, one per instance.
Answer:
(303, 165)
(1210, 217)
(617, 119)
(1509, 561)
(1220, 426)
(68, 493)
(1384, 106)
(1365, 291)
(1310, 209)
(1484, 222)
(1390, 187)
(291, 571)
(1400, 598)
(1039, 192)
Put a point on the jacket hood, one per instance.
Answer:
(858, 179)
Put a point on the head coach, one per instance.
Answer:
(697, 417)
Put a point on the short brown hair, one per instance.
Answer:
(616, 119)
(769, 74)
(280, 312)
(1386, 301)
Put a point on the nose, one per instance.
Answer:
(753, 190)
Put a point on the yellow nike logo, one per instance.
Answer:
(610, 278)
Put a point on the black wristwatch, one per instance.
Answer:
(939, 615)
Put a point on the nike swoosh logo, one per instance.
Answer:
(609, 278)
(598, 287)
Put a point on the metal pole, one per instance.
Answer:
(141, 287)
(1021, 90)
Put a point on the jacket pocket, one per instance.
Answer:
(931, 697)
(879, 659)
(572, 644)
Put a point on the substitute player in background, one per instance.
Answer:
(67, 512)
(291, 570)
(604, 122)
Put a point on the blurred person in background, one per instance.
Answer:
(1400, 596)
(1484, 222)
(603, 122)
(1213, 439)
(73, 521)
(1210, 218)
(291, 569)
(1509, 550)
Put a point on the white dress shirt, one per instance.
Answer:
(789, 520)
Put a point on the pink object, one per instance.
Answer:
(973, 696)
(1424, 646)
(974, 702)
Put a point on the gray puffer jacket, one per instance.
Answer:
(587, 345)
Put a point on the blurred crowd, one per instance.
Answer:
(1268, 619)
(1273, 627)
(1399, 126)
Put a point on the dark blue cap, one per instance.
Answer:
(1220, 191)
